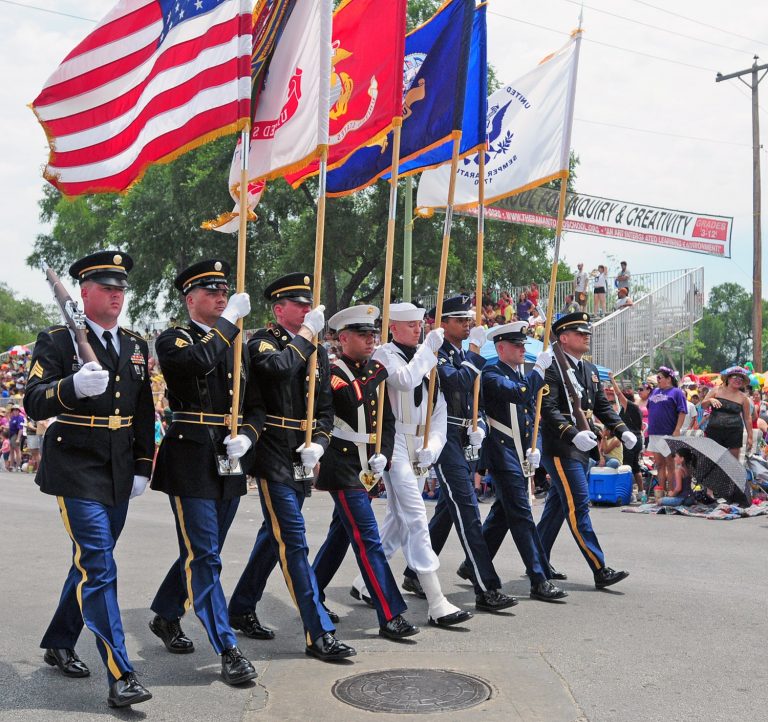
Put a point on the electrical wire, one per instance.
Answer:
(48, 10)
(661, 132)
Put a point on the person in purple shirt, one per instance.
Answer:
(15, 434)
(667, 408)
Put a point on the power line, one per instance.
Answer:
(655, 27)
(661, 132)
(606, 45)
(48, 10)
(699, 22)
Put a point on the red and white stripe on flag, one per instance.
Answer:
(155, 79)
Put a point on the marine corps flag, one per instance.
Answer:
(434, 79)
(366, 79)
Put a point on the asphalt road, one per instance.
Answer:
(681, 639)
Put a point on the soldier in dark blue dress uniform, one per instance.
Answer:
(567, 450)
(455, 467)
(351, 468)
(97, 455)
(195, 462)
(283, 463)
(509, 399)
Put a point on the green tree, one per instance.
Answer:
(21, 319)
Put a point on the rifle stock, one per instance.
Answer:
(565, 367)
(73, 317)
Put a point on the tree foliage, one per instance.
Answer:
(21, 319)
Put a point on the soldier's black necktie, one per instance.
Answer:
(111, 350)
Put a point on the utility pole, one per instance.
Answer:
(757, 254)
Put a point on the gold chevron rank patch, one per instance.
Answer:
(180, 342)
(266, 346)
(338, 383)
(37, 370)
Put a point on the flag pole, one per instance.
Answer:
(564, 164)
(388, 263)
(318, 274)
(443, 269)
(245, 140)
(479, 286)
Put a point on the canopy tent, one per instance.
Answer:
(532, 349)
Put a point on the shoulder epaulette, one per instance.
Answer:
(132, 333)
(55, 329)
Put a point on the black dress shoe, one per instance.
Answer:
(127, 691)
(607, 576)
(450, 619)
(463, 572)
(328, 649)
(67, 661)
(250, 626)
(413, 585)
(547, 592)
(331, 615)
(235, 668)
(169, 630)
(355, 593)
(493, 600)
(397, 628)
(554, 574)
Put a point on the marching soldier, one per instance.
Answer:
(97, 455)
(197, 461)
(405, 524)
(351, 468)
(457, 505)
(283, 464)
(509, 398)
(567, 450)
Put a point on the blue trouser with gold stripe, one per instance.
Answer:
(90, 591)
(568, 499)
(253, 580)
(457, 506)
(356, 515)
(201, 526)
(281, 506)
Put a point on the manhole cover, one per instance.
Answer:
(412, 691)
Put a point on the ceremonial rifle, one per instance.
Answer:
(572, 385)
(73, 317)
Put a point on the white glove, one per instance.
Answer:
(377, 463)
(477, 336)
(434, 339)
(629, 439)
(91, 380)
(238, 306)
(315, 320)
(139, 485)
(534, 458)
(544, 359)
(476, 437)
(426, 456)
(311, 454)
(237, 446)
(585, 440)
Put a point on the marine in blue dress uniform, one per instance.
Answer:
(193, 463)
(566, 450)
(279, 366)
(457, 505)
(97, 455)
(351, 467)
(509, 396)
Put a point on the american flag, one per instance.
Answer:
(154, 79)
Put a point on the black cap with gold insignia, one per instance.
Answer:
(578, 321)
(454, 307)
(211, 274)
(109, 268)
(294, 287)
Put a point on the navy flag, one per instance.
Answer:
(434, 81)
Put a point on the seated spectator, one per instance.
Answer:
(682, 492)
(570, 305)
(611, 450)
(624, 301)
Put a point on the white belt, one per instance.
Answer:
(500, 427)
(409, 429)
(459, 421)
(353, 436)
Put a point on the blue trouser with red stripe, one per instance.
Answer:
(201, 527)
(568, 499)
(90, 591)
(331, 553)
(355, 512)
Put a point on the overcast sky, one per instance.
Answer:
(651, 125)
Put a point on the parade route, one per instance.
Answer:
(680, 639)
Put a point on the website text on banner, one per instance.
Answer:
(593, 215)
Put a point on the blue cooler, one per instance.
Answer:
(610, 486)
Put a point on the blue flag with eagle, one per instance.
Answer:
(435, 70)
